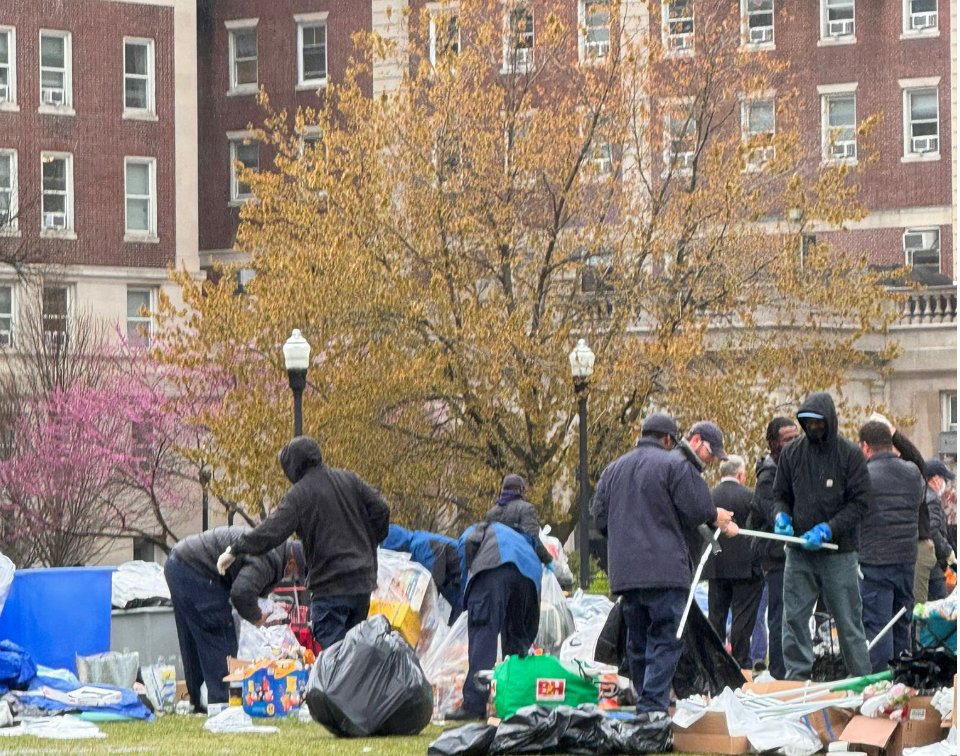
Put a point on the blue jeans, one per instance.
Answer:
(806, 576)
(774, 580)
(332, 616)
(652, 616)
(884, 590)
(205, 629)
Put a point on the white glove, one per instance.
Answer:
(226, 559)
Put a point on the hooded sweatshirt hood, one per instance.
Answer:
(821, 404)
(298, 456)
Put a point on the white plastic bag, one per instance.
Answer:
(139, 583)
(556, 621)
(561, 568)
(7, 568)
(235, 719)
(445, 666)
(160, 680)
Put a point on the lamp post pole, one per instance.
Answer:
(581, 368)
(205, 498)
(583, 534)
(296, 358)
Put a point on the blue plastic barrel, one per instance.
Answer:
(56, 613)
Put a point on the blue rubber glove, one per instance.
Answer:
(782, 524)
(550, 567)
(813, 539)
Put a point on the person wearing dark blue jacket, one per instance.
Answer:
(888, 542)
(438, 553)
(501, 576)
(647, 503)
(822, 489)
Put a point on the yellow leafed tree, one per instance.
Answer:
(443, 247)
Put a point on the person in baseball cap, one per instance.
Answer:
(662, 425)
(937, 467)
(710, 441)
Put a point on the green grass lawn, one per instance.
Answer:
(185, 735)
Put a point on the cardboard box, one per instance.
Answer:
(274, 689)
(708, 734)
(401, 617)
(920, 728)
(182, 694)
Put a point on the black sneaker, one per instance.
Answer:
(462, 715)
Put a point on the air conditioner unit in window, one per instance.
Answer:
(684, 160)
(597, 48)
(4, 92)
(924, 144)
(54, 221)
(927, 20)
(680, 41)
(920, 241)
(842, 28)
(761, 34)
(51, 96)
(842, 150)
(523, 58)
(6, 338)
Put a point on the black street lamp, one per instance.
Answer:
(581, 368)
(204, 476)
(296, 357)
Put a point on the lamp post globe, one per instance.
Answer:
(582, 360)
(296, 358)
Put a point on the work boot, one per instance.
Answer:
(462, 715)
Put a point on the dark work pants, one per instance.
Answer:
(652, 616)
(499, 603)
(332, 616)
(884, 590)
(937, 586)
(807, 576)
(205, 629)
(774, 581)
(741, 598)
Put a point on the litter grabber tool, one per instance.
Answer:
(886, 628)
(785, 539)
(696, 579)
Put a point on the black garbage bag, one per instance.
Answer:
(470, 740)
(704, 666)
(370, 683)
(925, 669)
(581, 730)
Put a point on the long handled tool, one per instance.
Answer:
(786, 539)
(855, 684)
(696, 579)
(887, 627)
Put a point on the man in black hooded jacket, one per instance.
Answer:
(822, 490)
(340, 519)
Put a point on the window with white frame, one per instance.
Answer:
(444, 32)
(8, 65)
(55, 316)
(138, 77)
(311, 49)
(758, 118)
(922, 121)
(678, 25)
(594, 29)
(920, 16)
(56, 70)
(840, 126)
(246, 153)
(758, 17)
(56, 200)
(141, 304)
(681, 140)
(838, 19)
(242, 47)
(6, 315)
(948, 411)
(519, 39)
(140, 197)
(8, 191)
(921, 247)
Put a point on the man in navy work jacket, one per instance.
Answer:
(438, 553)
(888, 542)
(502, 595)
(202, 598)
(821, 490)
(647, 503)
(340, 519)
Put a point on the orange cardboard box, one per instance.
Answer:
(708, 734)
(920, 728)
